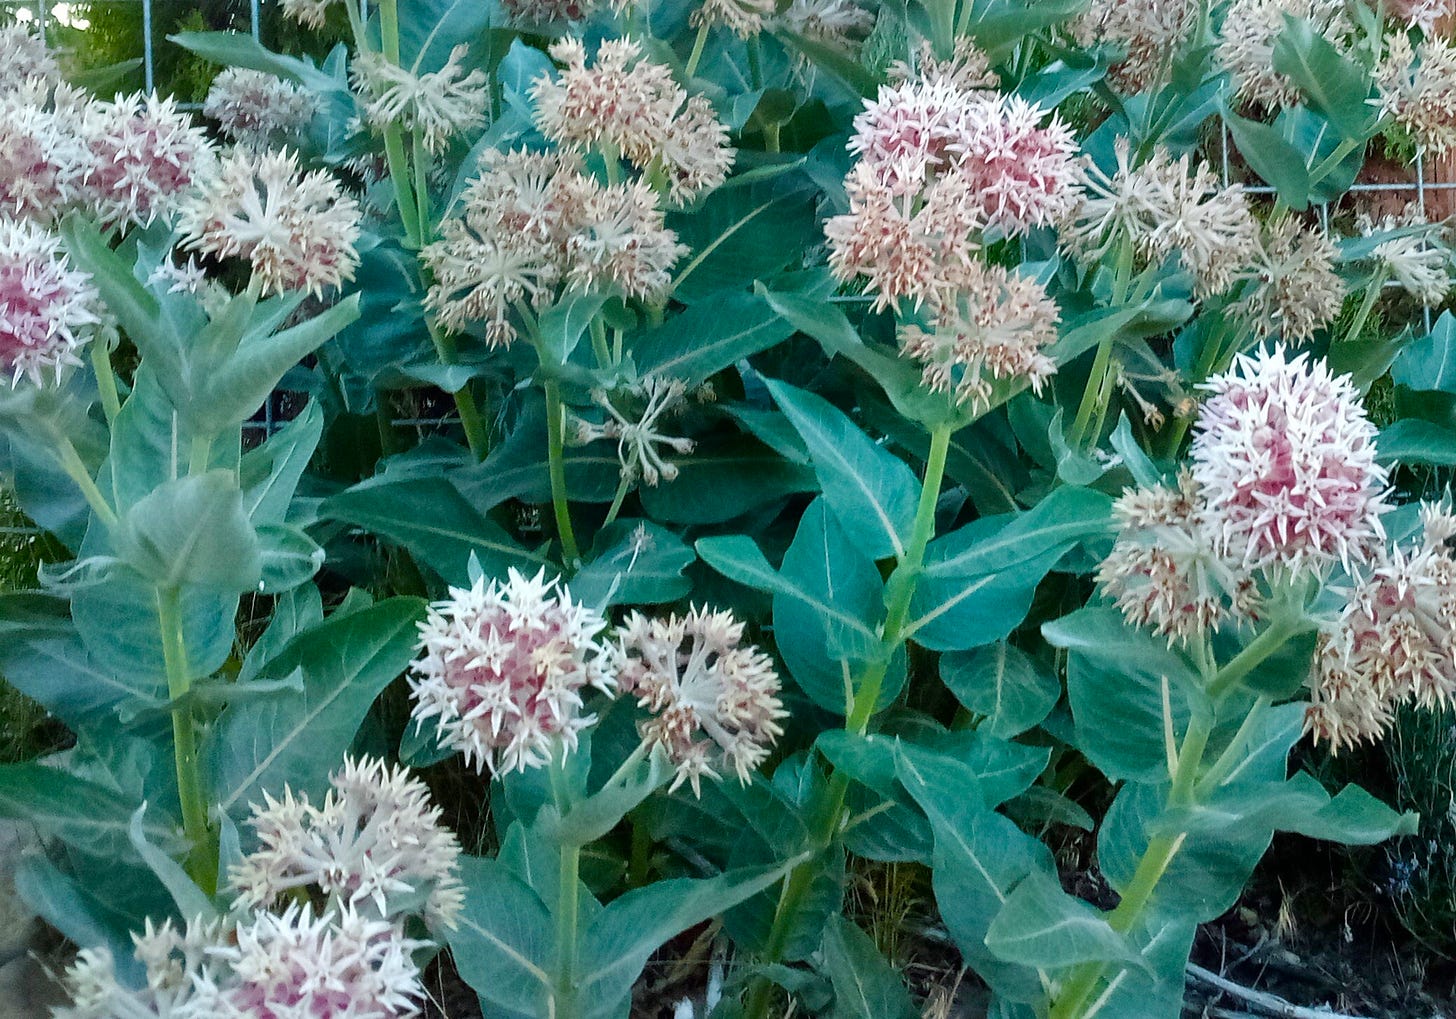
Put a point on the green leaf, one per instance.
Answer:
(433, 520)
(977, 582)
(83, 814)
(1005, 684)
(193, 531)
(1413, 441)
(43, 657)
(504, 940)
(825, 621)
(871, 492)
(269, 475)
(865, 985)
(998, 24)
(739, 472)
(980, 857)
(1430, 362)
(289, 558)
(618, 942)
(634, 562)
(850, 71)
(561, 326)
(297, 739)
(192, 901)
(238, 49)
(135, 308)
(1040, 925)
(1116, 677)
(238, 386)
(1272, 157)
(1334, 85)
(595, 816)
(708, 337)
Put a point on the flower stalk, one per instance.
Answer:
(202, 855)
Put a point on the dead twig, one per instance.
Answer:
(1267, 1004)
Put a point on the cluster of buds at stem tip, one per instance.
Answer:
(640, 443)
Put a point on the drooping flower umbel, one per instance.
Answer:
(439, 105)
(994, 330)
(375, 839)
(1417, 87)
(1292, 288)
(1150, 31)
(145, 156)
(46, 307)
(714, 703)
(298, 231)
(1164, 208)
(533, 221)
(642, 442)
(1284, 461)
(1250, 30)
(504, 670)
(1414, 257)
(742, 17)
(1395, 641)
(254, 108)
(1164, 570)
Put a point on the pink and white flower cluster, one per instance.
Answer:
(944, 164)
(1283, 483)
(318, 925)
(505, 668)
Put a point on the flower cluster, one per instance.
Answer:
(437, 105)
(1251, 28)
(297, 231)
(1284, 460)
(842, 24)
(1395, 641)
(339, 965)
(504, 669)
(1150, 32)
(144, 156)
(714, 703)
(376, 854)
(638, 436)
(994, 330)
(742, 17)
(46, 307)
(625, 107)
(24, 58)
(1291, 285)
(1283, 481)
(1417, 86)
(375, 840)
(533, 221)
(255, 108)
(944, 163)
(1165, 208)
(1414, 256)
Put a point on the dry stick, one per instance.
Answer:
(1260, 1001)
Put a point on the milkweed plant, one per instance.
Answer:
(853, 424)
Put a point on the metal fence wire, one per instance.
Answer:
(1427, 194)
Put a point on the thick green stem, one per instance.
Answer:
(697, 53)
(105, 379)
(199, 454)
(477, 436)
(76, 470)
(1156, 860)
(623, 487)
(1251, 657)
(898, 593)
(556, 451)
(599, 342)
(1092, 395)
(202, 856)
